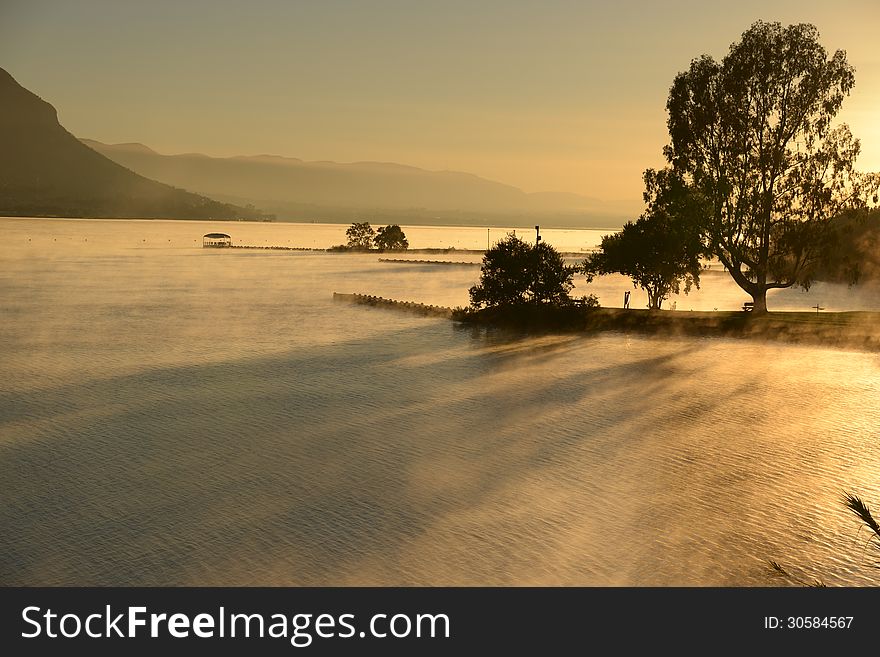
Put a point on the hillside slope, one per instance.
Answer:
(46, 171)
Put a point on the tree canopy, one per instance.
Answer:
(390, 238)
(752, 136)
(360, 235)
(661, 250)
(515, 272)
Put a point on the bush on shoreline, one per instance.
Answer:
(514, 273)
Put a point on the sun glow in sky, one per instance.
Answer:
(548, 96)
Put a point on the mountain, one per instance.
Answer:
(330, 191)
(44, 170)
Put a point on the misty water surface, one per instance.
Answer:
(171, 415)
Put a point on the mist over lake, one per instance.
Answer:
(173, 415)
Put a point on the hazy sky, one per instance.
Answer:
(552, 95)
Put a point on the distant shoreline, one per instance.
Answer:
(497, 226)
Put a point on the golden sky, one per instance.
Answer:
(548, 96)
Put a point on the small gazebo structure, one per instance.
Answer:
(216, 240)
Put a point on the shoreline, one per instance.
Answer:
(525, 226)
(843, 330)
(852, 329)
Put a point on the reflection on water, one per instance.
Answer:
(172, 415)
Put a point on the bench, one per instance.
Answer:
(748, 306)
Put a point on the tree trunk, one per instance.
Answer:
(759, 297)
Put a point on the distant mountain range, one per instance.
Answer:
(46, 171)
(297, 190)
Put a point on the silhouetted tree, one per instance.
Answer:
(360, 236)
(514, 272)
(661, 250)
(753, 135)
(390, 238)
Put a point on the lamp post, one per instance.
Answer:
(537, 235)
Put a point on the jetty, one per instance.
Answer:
(451, 263)
(275, 248)
(406, 306)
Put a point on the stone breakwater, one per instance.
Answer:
(274, 248)
(407, 306)
(429, 262)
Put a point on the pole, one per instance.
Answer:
(537, 235)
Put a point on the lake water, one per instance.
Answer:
(172, 415)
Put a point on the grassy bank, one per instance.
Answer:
(849, 330)
(858, 330)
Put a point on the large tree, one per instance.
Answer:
(753, 136)
(360, 236)
(391, 238)
(661, 251)
(515, 272)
